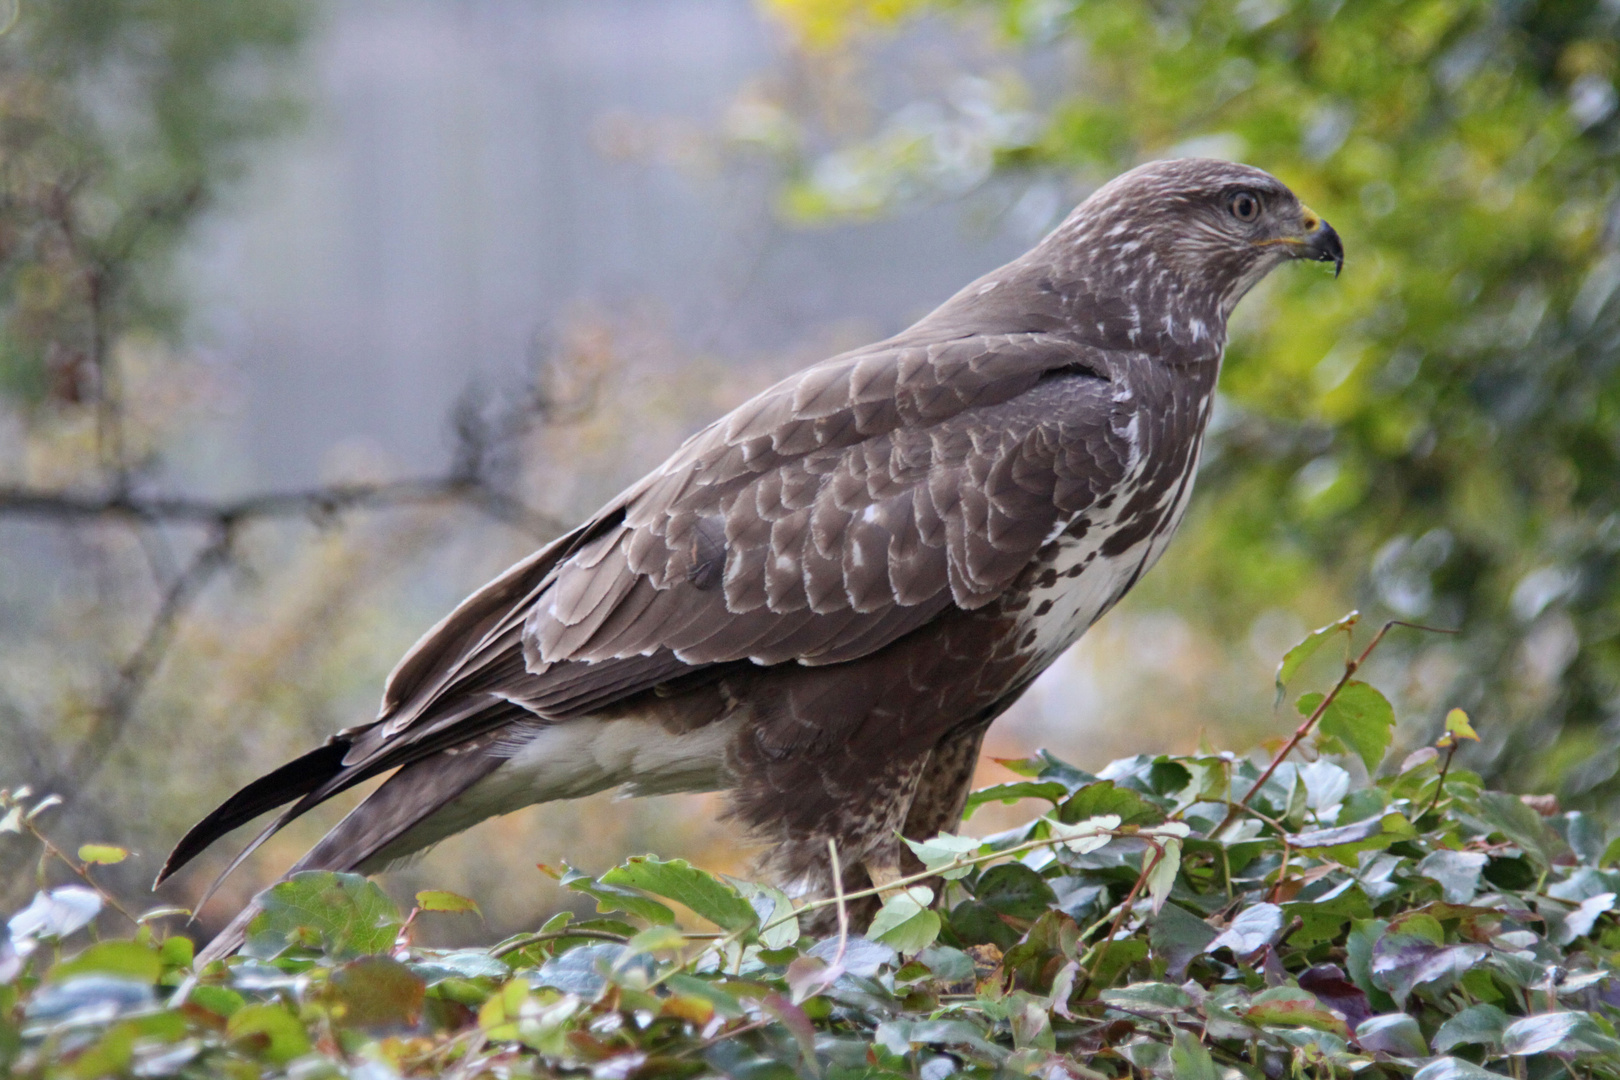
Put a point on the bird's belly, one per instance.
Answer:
(1076, 583)
(1059, 613)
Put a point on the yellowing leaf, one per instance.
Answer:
(102, 854)
(438, 900)
(1457, 727)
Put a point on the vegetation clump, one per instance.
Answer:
(1196, 917)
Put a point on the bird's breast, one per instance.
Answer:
(1085, 570)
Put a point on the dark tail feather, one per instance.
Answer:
(405, 801)
(296, 778)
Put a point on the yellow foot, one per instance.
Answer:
(883, 875)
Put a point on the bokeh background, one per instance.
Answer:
(315, 314)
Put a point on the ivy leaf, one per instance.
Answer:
(1566, 1032)
(1474, 1026)
(1393, 1033)
(343, 915)
(943, 850)
(121, 959)
(102, 854)
(439, 900)
(1106, 798)
(1359, 717)
(1189, 1060)
(1456, 871)
(1014, 889)
(617, 898)
(1255, 926)
(1162, 877)
(679, 880)
(1507, 814)
(1289, 1006)
(1088, 836)
(1450, 1068)
(1177, 936)
(770, 904)
(1457, 727)
(1150, 998)
(268, 1031)
(905, 923)
(1295, 657)
(375, 991)
(1050, 790)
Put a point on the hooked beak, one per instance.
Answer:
(1321, 242)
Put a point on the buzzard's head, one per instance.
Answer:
(1217, 225)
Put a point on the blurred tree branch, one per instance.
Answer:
(469, 481)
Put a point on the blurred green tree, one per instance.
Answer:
(120, 121)
(1436, 435)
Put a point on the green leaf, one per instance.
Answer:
(1289, 1006)
(1360, 718)
(125, 959)
(771, 904)
(269, 1032)
(617, 898)
(1162, 877)
(654, 939)
(1394, 1033)
(343, 915)
(1106, 798)
(943, 850)
(1474, 1026)
(1177, 937)
(438, 900)
(1295, 657)
(1092, 834)
(102, 854)
(1151, 998)
(678, 880)
(1566, 1032)
(1190, 1060)
(905, 922)
(1456, 871)
(1043, 766)
(375, 991)
(1014, 889)
(1507, 814)
(1450, 1068)
(1050, 790)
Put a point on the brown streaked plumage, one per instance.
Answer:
(821, 600)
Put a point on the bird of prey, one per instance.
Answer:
(821, 600)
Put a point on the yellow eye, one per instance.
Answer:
(1245, 206)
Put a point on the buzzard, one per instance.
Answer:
(821, 600)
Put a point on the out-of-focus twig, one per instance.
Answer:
(468, 481)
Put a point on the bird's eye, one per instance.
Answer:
(1245, 206)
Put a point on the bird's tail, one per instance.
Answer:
(390, 824)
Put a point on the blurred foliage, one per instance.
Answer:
(1436, 435)
(1176, 917)
(119, 123)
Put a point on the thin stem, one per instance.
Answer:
(838, 895)
(556, 935)
(1351, 666)
(1440, 786)
(1124, 910)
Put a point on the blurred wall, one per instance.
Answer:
(450, 199)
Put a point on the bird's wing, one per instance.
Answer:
(816, 523)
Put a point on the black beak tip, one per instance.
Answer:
(1327, 247)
